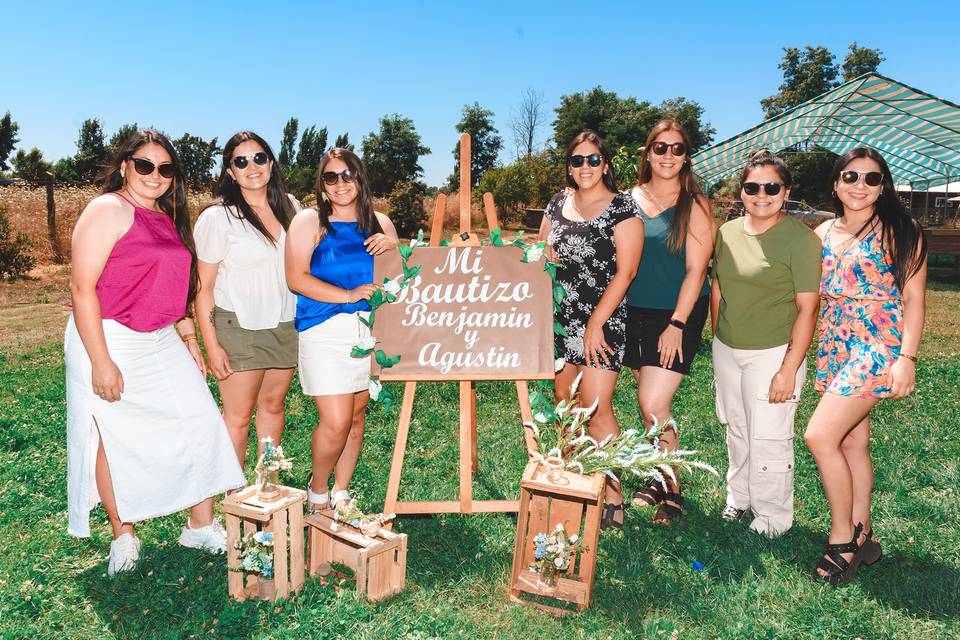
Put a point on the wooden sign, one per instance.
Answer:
(473, 313)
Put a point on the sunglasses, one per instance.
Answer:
(753, 188)
(677, 148)
(330, 178)
(259, 158)
(870, 178)
(594, 160)
(144, 167)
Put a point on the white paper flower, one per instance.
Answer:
(374, 388)
(392, 286)
(540, 417)
(558, 563)
(533, 252)
(367, 342)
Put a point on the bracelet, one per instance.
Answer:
(189, 337)
(678, 324)
(908, 357)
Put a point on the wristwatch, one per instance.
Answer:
(678, 324)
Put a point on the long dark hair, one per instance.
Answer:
(902, 235)
(366, 217)
(690, 190)
(610, 177)
(230, 195)
(173, 202)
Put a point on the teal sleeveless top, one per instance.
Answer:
(341, 260)
(661, 271)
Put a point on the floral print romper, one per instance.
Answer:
(587, 256)
(861, 319)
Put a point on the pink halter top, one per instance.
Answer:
(145, 281)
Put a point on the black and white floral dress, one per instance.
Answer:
(587, 255)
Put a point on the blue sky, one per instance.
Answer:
(213, 68)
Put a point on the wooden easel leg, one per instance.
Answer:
(526, 413)
(473, 428)
(466, 447)
(399, 449)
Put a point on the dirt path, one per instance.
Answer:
(34, 312)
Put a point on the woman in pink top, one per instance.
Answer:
(144, 436)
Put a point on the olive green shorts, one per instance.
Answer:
(255, 349)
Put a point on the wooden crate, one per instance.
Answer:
(283, 518)
(379, 564)
(576, 501)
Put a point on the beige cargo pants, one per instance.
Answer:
(759, 434)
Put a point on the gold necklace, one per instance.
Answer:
(652, 198)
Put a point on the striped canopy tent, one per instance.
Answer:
(917, 133)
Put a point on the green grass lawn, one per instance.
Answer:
(55, 586)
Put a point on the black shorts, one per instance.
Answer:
(644, 327)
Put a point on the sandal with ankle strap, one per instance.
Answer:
(342, 495)
(607, 520)
(671, 508)
(649, 496)
(870, 551)
(316, 498)
(839, 569)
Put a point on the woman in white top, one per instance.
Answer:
(244, 307)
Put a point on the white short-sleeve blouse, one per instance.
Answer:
(250, 277)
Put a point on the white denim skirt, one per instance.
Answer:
(326, 366)
(165, 441)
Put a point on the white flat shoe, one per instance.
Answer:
(211, 538)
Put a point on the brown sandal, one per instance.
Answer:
(671, 508)
(649, 496)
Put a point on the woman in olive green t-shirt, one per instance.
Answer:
(764, 308)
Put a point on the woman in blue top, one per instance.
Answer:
(329, 265)
(668, 299)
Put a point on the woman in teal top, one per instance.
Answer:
(329, 265)
(669, 297)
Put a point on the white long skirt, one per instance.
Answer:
(165, 441)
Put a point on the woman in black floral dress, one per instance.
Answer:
(596, 235)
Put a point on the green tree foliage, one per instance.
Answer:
(31, 166)
(811, 175)
(119, 137)
(8, 139)
(485, 144)
(391, 155)
(15, 261)
(66, 171)
(343, 141)
(287, 141)
(689, 113)
(530, 181)
(406, 207)
(91, 155)
(198, 158)
(313, 144)
(860, 60)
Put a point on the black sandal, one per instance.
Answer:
(607, 520)
(839, 569)
(671, 508)
(870, 551)
(649, 496)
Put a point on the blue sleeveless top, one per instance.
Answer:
(661, 272)
(341, 260)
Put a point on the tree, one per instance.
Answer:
(811, 175)
(689, 113)
(406, 206)
(289, 138)
(860, 60)
(343, 141)
(485, 144)
(527, 120)
(8, 139)
(119, 137)
(197, 157)
(806, 74)
(313, 144)
(391, 155)
(530, 180)
(66, 171)
(91, 155)
(619, 121)
(31, 166)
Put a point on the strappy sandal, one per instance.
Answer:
(343, 495)
(870, 551)
(671, 508)
(320, 499)
(839, 569)
(607, 519)
(649, 496)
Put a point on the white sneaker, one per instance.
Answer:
(124, 553)
(211, 538)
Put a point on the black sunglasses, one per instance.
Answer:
(677, 148)
(330, 178)
(870, 178)
(259, 158)
(144, 167)
(753, 188)
(594, 160)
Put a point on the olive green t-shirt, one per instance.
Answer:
(759, 277)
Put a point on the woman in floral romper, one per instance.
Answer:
(596, 235)
(871, 318)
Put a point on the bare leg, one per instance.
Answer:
(270, 405)
(201, 514)
(856, 449)
(107, 497)
(655, 390)
(239, 395)
(347, 462)
(563, 380)
(597, 385)
(834, 418)
(330, 436)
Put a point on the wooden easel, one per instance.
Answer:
(468, 390)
